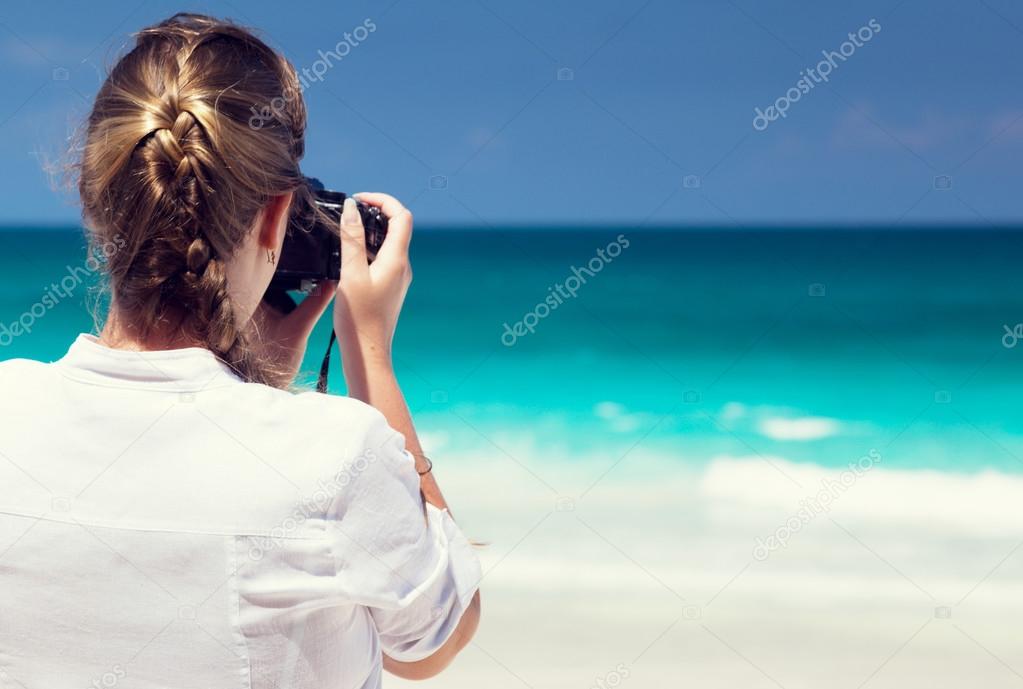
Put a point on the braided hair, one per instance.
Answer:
(174, 170)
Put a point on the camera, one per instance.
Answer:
(312, 244)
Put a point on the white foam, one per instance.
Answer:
(989, 502)
(803, 428)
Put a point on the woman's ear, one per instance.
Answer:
(273, 221)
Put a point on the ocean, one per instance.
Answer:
(713, 457)
(814, 345)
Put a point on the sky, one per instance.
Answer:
(633, 112)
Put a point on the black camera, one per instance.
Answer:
(312, 244)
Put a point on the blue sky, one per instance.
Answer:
(456, 106)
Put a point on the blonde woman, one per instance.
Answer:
(170, 513)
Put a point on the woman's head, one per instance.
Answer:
(194, 194)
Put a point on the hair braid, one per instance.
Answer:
(199, 283)
(171, 165)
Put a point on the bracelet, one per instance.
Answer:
(429, 464)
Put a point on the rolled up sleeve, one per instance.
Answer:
(408, 563)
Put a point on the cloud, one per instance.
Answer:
(862, 126)
(799, 429)
(618, 418)
(781, 423)
(1007, 126)
(732, 412)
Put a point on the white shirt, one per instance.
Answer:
(164, 524)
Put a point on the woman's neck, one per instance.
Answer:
(120, 333)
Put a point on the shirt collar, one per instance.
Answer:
(186, 369)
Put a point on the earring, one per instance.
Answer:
(271, 256)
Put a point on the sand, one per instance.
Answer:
(651, 577)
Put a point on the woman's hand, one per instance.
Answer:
(370, 296)
(284, 337)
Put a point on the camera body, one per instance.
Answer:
(311, 252)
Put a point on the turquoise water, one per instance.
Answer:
(815, 346)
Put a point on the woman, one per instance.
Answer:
(170, 514)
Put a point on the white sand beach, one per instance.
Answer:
(649, 578)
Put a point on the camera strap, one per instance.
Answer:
(321, 383)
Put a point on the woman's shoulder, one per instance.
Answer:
(27, 385)
(318, 423)
(10, 367)
(325, 441)
(13, 371)
(310, 407)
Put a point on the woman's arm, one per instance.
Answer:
(442, 657)
(375, 384)
(369, 299)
